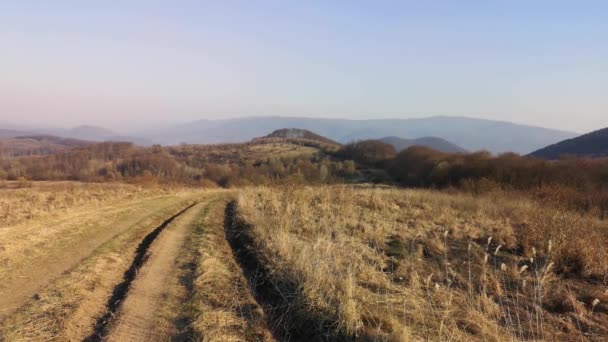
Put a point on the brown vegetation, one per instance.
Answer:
(580, 184)
(368, 152)
(36, 145)
(225, 165)
(408, 265)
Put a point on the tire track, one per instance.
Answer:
(70, 246)
(224, 307)
(287, 317)
(121, 290)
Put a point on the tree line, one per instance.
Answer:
(580, 184)
(208, 165)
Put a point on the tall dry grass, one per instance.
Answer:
(21, 203)
(222, 306)
(401, 265)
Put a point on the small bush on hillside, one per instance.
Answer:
(368, 152)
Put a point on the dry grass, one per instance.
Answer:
(224, 308)
(36, 199)
(279, 150)
(401, 265)
(48, 216)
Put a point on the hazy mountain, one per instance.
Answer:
(11, 133)
(93, 133)
(592, 145)
(470, 134)
(85, 132)
(36, 145)
(435, 143)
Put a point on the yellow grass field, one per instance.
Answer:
(115, 262)
(401, 265)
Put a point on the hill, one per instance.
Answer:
(470, 134)
(296, 133)
(11, 133)
(434, 143)
(93, 133)
(300, 137)
(591, 145)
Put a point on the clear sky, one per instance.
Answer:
(142, 62)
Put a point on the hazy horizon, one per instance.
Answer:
(143, 64)
(143, 127)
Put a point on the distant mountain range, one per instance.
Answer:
(94, 133)
(437, 144)
(591, 145)
(11, 133)
(36, 145)
(468, 133)
(464, 133)
(85, 132)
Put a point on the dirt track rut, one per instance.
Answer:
(181, 279)
(37, 273)
(141, 317)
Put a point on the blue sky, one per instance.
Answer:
(132, 63)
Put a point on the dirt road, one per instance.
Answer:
(158, 270)
(76, 240)
(156, 286)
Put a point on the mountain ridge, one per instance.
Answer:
(469, 133)
(435, 143)
(590, 145)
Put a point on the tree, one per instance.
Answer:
(369, 152)
(323, 173)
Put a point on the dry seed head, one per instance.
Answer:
(595, 303)
(485, 259)
(549, 247)
(489, 240)
(503, 267)
(549, 267)
(445, 234)
(523, 269)
(497, 249)
(428, 280)
(534, 251)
